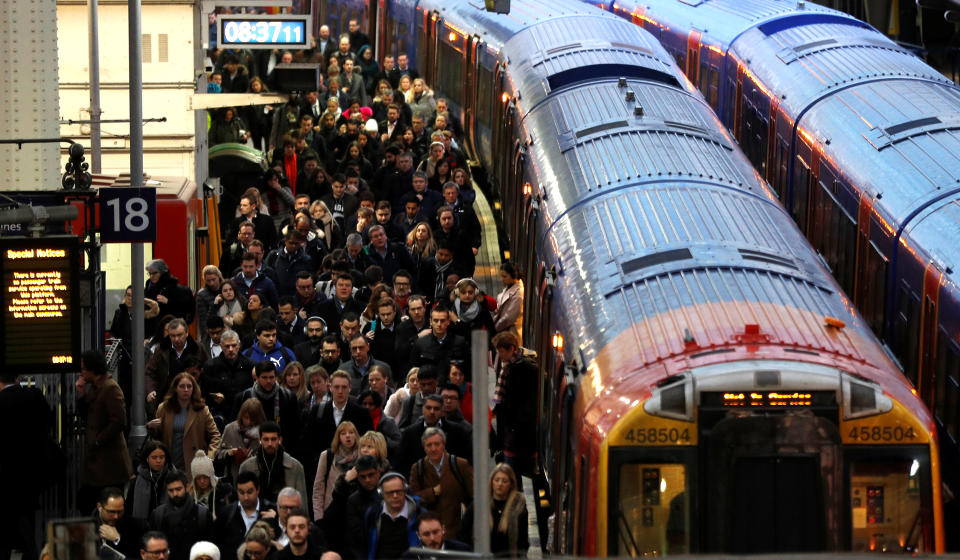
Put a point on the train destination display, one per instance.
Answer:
(41, 317)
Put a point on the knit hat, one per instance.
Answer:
(202, 465)
(204, 548)
(371, 126)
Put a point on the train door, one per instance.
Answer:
(693, 57)
(470, 95)
(377, 27)
(928, 333)
(768, 480)
(738, 106)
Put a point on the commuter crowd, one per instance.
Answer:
(324, 409)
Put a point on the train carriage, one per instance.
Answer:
(705, 385)
(858, 137)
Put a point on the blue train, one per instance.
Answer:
(859, 138)
(705, 386)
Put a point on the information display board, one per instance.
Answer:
(259, 31)
(40, 301)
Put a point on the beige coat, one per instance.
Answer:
(200, 432)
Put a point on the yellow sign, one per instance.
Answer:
(640, 428)
(895, 427)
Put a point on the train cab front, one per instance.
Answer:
(770, 457)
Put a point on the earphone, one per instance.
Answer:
(389, 476)
(314, 318)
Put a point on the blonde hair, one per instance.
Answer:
(378, 441)
(335, 444)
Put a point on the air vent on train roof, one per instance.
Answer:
(579, 74)
(768, 258)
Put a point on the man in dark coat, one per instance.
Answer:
(289, 260)
(180, 518)
(310, 351)
(177, 353)
(264, 230)
(106, 461)
(250, 280)
(226, 376)
(369, 472)
(236, 518)
(27, 419)
(433, 536)
(279, 404)
(342, 301)
(459, 436)
(359, 366)
(516, 413)
(390, 257)
(115, 529)
(440, 346)
(319, 427)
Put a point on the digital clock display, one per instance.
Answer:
(264, 31)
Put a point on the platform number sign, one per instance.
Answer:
(128, 215)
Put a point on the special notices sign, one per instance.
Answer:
(41, 318)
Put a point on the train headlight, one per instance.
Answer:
(862, 398)
(673, 398)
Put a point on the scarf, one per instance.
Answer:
(470, 313)
(508, 519)
(376, 415)
(146, 489)
(344, 460)
(440, 282)
(290, 168)
(274, 395)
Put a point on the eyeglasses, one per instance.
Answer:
(164, 552)
(393, 492)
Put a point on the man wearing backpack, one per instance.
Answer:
(443, 482)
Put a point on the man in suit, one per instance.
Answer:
(235, 519)
(391, 129)
(27, 419)
(180, 518)
(459, 437)
(433, 536)
(359, 366)
(319, 427)
(342, 302)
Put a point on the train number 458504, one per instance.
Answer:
(882, 433)
(658, 436)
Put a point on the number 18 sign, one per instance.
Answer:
(128, 215)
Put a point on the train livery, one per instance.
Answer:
(705, 385)
(859, 139)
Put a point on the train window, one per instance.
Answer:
(484, 96)
(450, 73)
(423, 38)
(847, 256)
(704, 81)
(907, 327)
(714, 87)
(887, 508)
(801, 185)
(947, 372)
(653, 510)
(875, 288)
(953, 403)
(389, 36)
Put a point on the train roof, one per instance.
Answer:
(662, 229)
